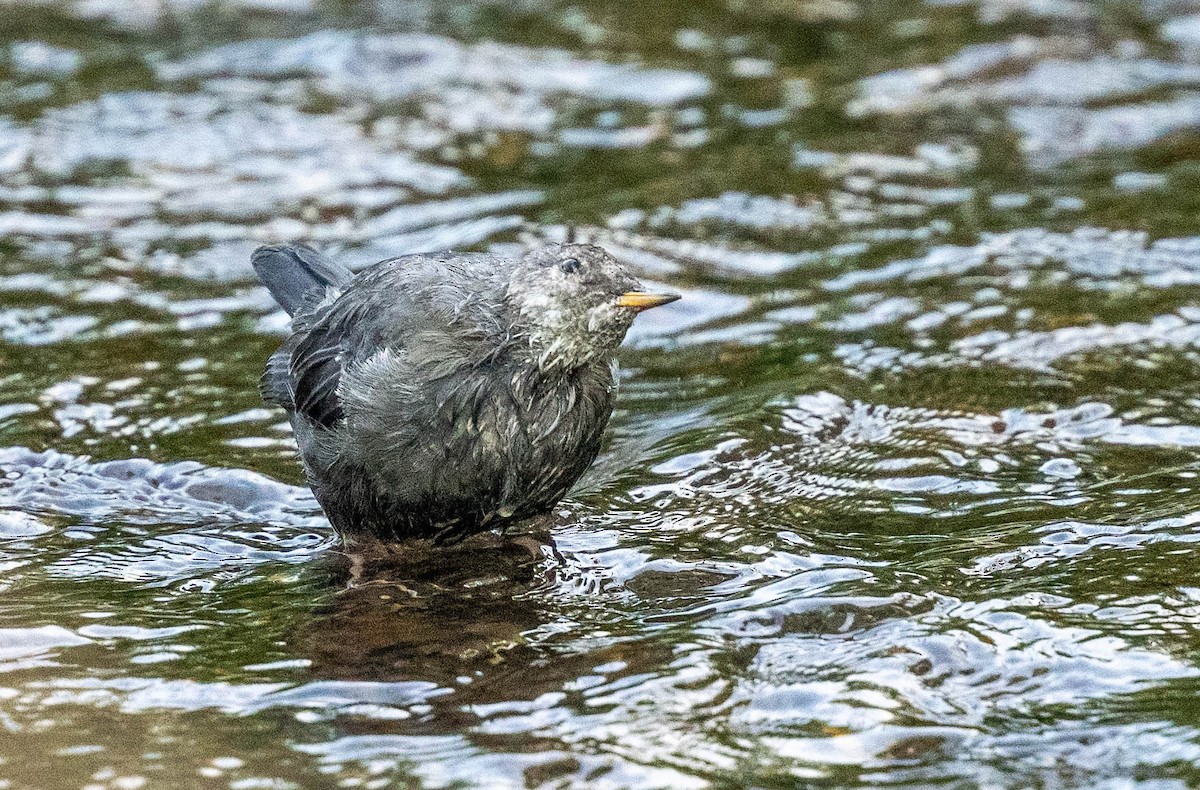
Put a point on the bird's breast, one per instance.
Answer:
(497, 438)
(561, 424)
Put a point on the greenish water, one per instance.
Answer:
(903, 492)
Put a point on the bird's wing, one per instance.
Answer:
(275, 385)
(331, 338)
(394, 304)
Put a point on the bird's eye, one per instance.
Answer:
(570, 265)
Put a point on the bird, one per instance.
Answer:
(435, 396)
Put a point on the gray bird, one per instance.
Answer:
(440, 395)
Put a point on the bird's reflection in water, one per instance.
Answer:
(414, 611)
(455, 617)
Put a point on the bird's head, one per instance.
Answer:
(576, 303)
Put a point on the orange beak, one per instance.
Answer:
(641, 300)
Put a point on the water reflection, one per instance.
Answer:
(902, 492)
(415, 612)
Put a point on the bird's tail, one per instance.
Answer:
(294, 273)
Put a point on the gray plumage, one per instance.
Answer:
(435, 396)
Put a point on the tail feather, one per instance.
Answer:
(292, 272)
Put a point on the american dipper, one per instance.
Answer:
(440, 395)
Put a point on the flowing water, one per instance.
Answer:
(903, 493)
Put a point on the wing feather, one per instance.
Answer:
(332, 339)
(393, 304)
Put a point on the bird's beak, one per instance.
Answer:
(641, 300)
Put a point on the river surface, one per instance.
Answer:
(903, 493)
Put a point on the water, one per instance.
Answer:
(903, 493)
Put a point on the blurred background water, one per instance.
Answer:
(903, 493)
